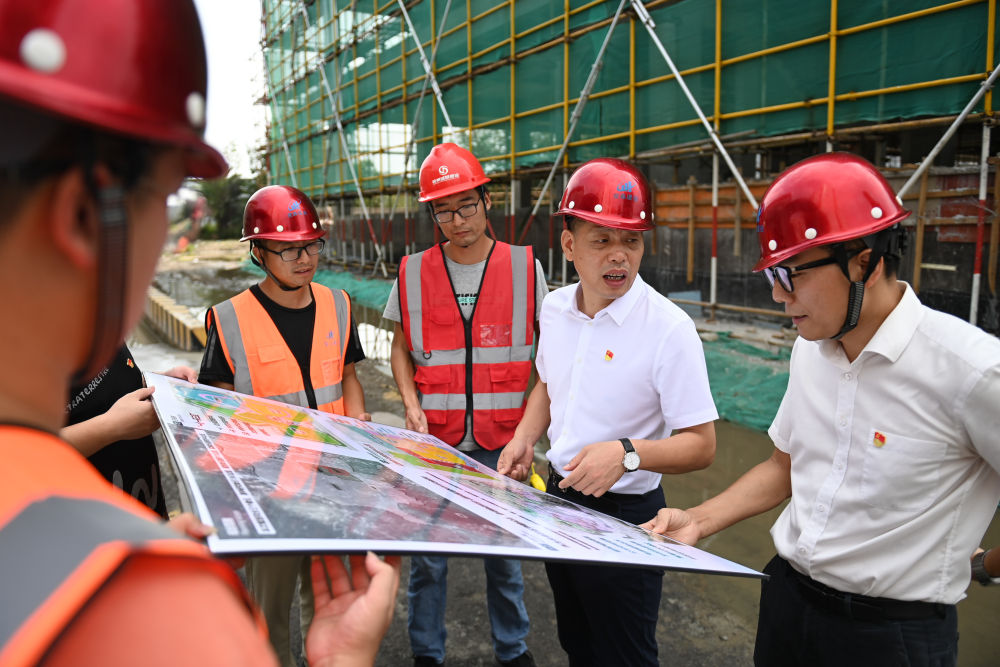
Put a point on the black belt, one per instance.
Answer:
(862, 607)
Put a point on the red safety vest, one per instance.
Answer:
(479, 366)
(261, 361)
(64, 532)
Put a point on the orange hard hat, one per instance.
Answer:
(280, 213)
(822, 200)
(447, 170)
(610, 193)
(133, 69)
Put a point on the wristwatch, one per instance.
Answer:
(979, 572)
(631, 459)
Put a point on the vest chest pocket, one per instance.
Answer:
(271, 353)
(445, 327)
(494, 335)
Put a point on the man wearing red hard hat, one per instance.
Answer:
(885, 441)
(465, 313)
(101, 118)
(623, 391)
(292, 340)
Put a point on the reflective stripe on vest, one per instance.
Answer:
(63, 536)
(492, 351)
(261, 361)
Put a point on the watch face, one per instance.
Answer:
(631, 461)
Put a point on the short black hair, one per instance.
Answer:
(35, 146)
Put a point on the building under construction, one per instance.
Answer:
(360, 90)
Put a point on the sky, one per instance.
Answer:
(235, 125)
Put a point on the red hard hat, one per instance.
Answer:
(610, 193)
(280, 213)
(822, 200)
(447, 170)
(132, 68)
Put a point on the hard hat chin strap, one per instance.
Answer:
(886, 242)
(112, 279)
(263, 267)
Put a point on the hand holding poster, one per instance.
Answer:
(273, 477)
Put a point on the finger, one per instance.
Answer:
(142, 394)
(384, 577)
(338, 579)
(365, 416)
(359, 571)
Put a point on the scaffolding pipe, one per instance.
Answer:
(274, 101)
(411, 143)
(647, 20)
(713, 283)
(577, 112)
(423, 60)
(984, 170)
(334, 106)
(991, 270)
(927, 161)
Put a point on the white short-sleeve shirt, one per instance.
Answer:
(895, 457)
(636, 370)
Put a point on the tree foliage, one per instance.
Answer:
(226, 199)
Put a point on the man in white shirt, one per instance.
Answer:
(620, 367)
(886, 439)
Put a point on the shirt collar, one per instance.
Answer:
(618, 310)
(893, 335)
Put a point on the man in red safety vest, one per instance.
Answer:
(466, 313)
(102, 110)
(292, 340)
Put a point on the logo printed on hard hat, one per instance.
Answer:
(760, 225)
(625, 190)
(442, 170)
(295, 208)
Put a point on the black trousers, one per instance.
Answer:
(805, 623)
(607, 615)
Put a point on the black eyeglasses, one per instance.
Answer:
(467, 211)
(293, 253)
(783, 274)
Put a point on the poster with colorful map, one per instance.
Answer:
(273, 477)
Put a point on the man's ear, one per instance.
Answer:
(487, 200)
(567, 241)
(72, 217)
(861, 261)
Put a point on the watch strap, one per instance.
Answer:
(627, 444)
(979, 572)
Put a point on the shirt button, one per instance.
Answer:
(843, 421)
(839, 466)
(821, 509)
(848, 377)
(802, 550)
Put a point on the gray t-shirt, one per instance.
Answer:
(466, 279)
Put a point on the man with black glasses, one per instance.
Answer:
(466, 314)
(885, 441)
(291, 340)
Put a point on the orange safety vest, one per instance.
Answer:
(481, 365)
(64, 533)
(261, 361)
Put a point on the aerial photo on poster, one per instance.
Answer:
(273, 477)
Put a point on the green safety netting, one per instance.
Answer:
(369, 57)
(747, 381)
(370, 292)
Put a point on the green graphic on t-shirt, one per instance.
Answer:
(466, 299)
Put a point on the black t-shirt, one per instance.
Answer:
(131, 465)
(295, 326)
